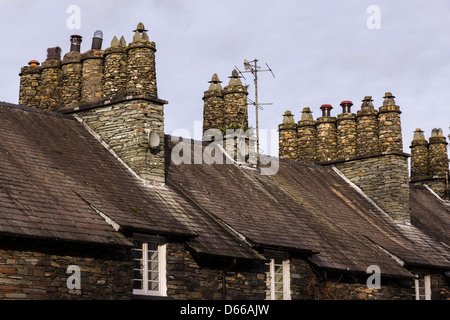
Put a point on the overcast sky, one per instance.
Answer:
(320, 52)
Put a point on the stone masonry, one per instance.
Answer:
(429, 162)
(225, 108)
(390, 130)
(326, 135)
(384, 179)
(288, 137)
(235, 103)
(38, 271)
(50, 81)
(29, 93)
(306, 137)
(346, 132)
(366, 147)
(92, 76)
(71, 72)
(124, 127)
(367, 129)
(419, 156)
(213, 105)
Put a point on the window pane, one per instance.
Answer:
(153, 286)
(152, 255)
(278, 295)
(153, 276)
(137, 284)
(138, 266)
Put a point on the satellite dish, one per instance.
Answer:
(153, 139)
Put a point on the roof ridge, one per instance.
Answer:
(38, 111)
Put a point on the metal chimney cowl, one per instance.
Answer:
(97, 40)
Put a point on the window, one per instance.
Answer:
(149, 268)
(422, 286)
(278, 281)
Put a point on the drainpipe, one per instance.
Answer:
(224, 284)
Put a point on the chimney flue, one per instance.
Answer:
(75, 43)
(97, 40)
(346, 106)
(326, 108)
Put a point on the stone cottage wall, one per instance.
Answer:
(38, 270)
(191, 277)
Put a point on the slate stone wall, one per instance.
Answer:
(122, 125)
(191, 277)
(38, 270)
(384, 179)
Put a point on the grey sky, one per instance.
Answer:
(320, 51)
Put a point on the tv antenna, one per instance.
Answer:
(253, 68)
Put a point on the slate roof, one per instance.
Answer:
(430, 214)
(306, 208)
(53, 174)
(56, 179)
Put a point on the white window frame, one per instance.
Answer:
(162, 274)
(270, 279)
(427, 284)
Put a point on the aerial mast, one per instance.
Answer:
(253, 68)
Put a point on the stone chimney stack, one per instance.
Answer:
(326, 135)
(367, 129)
(51, 81)
(429, 162)
(71, 72)
(419, 156)
(92, 75)
(30, 85)
(288, 146)
(141, 64)
(365, 147)
(116, 69)
(390, 129)
(346, 132)
(235, 103)
(306, 137)
(213, 105)
(438, 157)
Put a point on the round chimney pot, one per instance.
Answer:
(33, 63)
(346, 102)
(326, 107)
